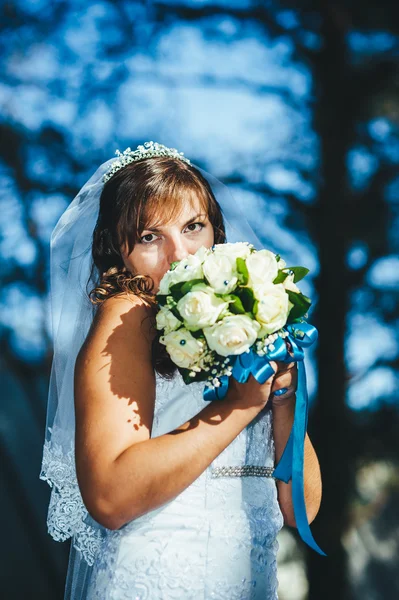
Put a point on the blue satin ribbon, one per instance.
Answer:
(290, 466)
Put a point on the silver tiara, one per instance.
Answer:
(147, 150)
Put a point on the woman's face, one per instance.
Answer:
(159, 247)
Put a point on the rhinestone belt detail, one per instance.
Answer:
(242, 471)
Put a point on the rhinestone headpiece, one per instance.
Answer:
(147, 150)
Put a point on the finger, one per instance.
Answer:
(289, 348)
(282, 382)
(285, 379)
(274, 365)
(282, 366)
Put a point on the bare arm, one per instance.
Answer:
(122, 472)
(157, 470)
(283, 418)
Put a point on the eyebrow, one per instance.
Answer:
(185, 224)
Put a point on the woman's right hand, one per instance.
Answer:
(251, 393)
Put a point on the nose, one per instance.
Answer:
(177, 249)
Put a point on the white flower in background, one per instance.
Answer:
(221, 272)
(188, 268)
(273, 307)
(289, 284)
(200, 307)
(234, 334)
(262, 267)
(233, 250)
(184, 349)
(166, 320)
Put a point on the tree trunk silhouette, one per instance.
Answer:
(330, 422)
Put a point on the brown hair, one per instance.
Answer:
(144, 191)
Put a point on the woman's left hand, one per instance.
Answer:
(286, 377)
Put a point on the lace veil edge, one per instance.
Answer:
(67, 515)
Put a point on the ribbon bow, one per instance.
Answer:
(290, 466)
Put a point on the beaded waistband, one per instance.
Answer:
(242, 471)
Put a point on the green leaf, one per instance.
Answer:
(186, 287)
(197, 333)
(242, 270)
(180, 289)
(162, 299)
(170, 302)
(175, 290)
(173, 265)
(247, 298)
(280, 277)
(185, 373)
(298, 320)
(301, 304)
(236, 306)
(299, 273)
(226, 297)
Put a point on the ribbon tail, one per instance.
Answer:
(299, 428)
(283, 470)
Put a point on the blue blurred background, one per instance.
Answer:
(295, 106)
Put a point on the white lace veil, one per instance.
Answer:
(71, 278)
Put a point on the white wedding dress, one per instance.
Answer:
(215, 540)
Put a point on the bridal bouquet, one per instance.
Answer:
(227, 312)
(220, 305)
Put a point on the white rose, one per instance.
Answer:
(221, 272)
(233, 335)
(200, 307)
(188, 268)
(233, 250)
(289, 284)
(184, 349)
(201, 253)
(281, 263)
(273, 307)
(262, 267)
(166, 282)
(166, 320)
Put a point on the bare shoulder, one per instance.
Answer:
(124, 315)
(114, 389)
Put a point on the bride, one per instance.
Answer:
(164, 495)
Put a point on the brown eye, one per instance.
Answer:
(193, 225)
(146, 239)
